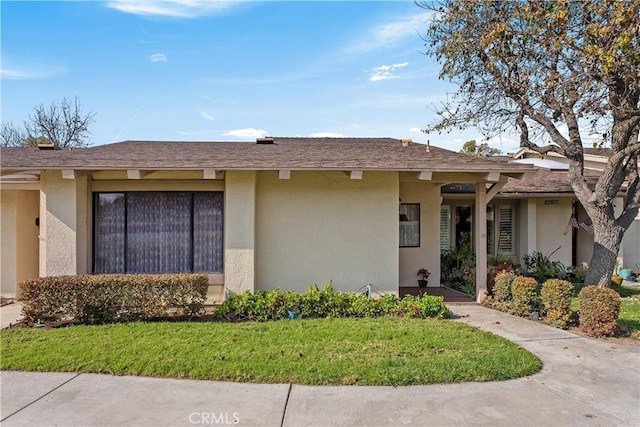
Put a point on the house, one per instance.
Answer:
(280, 212)
(595, 160)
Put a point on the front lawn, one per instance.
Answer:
(629, 319)
(381, 351)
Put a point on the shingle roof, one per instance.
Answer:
(543, 182)
(285, 153)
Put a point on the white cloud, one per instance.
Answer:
(247, 133)
(391, 33)
(415, 130)
(29, 71)
(158, 57)
(385, 72)
(172, 8)
(207, 115)
(327, 135)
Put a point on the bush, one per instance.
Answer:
(313, 303)
(556, 296)
(542, 268)
(502, 286)
(112, 298)
(524, 293)
(598, 309)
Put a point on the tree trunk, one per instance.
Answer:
(606, 245)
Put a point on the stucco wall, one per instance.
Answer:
(318, 227)
(8, 270)
(19, 236)
(239, 230)
(631, 245)
(428, 254)
(552, 230)
(58, 224)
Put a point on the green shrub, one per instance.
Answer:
(598, 309)
(316, 303)
(524, 293)
(542, 268)
(556, 296)
(502, 286)
(427, 306)
(112, 298)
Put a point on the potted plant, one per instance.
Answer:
(424, 273)
(625, 273)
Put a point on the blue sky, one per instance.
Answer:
(226, 71)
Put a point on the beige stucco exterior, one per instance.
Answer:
(19, 239)
(239, 231)
(318, 227)
(428, 254)
(553, 234)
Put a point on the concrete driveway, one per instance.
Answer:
(583, 382)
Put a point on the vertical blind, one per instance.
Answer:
(158, 232)
(445, 219)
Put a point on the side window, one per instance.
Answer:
(505, 231)
(409, 225)
(445, 227)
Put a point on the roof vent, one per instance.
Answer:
(407, 142)
(46, 146)
(266, 140)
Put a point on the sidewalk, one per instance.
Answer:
(583, 382)
(10, 314)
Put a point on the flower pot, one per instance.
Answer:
(422, 283)
(625, 273)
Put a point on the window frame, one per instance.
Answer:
(95, 212)
(415, 241)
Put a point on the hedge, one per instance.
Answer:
(524, 293)
(93, 299)
(313, 303)
(556, 295)
(598, 308)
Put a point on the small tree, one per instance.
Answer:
(471, 148)
(555, 70)
(11, 136)
(62, 124)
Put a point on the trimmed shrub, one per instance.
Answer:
(313, 303)
(112, 298)
(502, 286)
(556, 296)
(598, 309)
(524, 293)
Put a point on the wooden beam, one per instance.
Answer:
(284, 174)
(137, 173)
(73, 174)
(492, 176)
(496, 187)
(425, 176)
(209, 173)
(354, 174)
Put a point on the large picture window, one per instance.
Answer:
(158, 232)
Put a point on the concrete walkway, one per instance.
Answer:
(10, 314)
(583, 382)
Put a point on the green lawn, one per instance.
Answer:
(382, 351)
(629, 319)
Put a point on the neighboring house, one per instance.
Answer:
(281, 212)
(595, 162)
